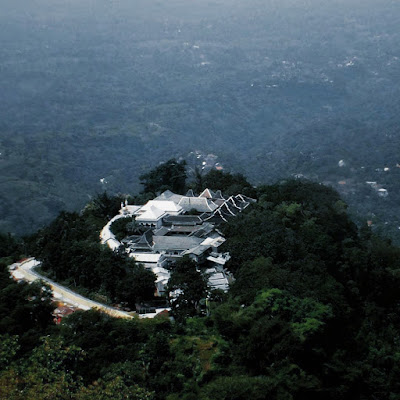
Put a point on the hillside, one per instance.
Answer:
(313, 313)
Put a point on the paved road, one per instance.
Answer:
(25, 270)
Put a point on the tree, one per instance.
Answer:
(104, 206)
(25, 310)
(191, 285)
(104, 340)
(229, 184)
(123, 227)
(138, 285)
(51, 373)
(113, 390)
(47, 374)
(197, 179)
(8, 349)
(170, 175)
(8, 245)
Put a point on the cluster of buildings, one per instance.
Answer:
(175, 226)
(378, 188)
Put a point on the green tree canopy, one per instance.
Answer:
(191, 285)
(229, 184)
(170, 175)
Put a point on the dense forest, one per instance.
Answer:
(313, 312)
(94, 93)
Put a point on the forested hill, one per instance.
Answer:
(94, 93)
(313, 314)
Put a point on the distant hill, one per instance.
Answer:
(94, 95)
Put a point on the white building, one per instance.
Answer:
(172, 233)
(383, 193)
(152, 213)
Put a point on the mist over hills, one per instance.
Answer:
(95, 90)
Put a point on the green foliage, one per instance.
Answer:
(113, 390)
(170, 175)
(103, 206)
(51, 359)
(242, 387)
(306, 315)
(187, 278)
(124, 227)
(70, 251)
(8, 349)
(9, 246)
(25, 310)
(313, 313)
(229, 184)
(307, 286)
(103, 339)
(137, 285)
(50, 373)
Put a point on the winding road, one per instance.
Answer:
(25, 270)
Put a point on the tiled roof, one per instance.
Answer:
(163, 205)
(146, 257)
(162, 231)
(204, 230)
(175, 242)
(152, 213)
(200, 204)
(184, 229)
(141, 242)
(182, 220)
(169, 196)
(209, 194)
(198, 250)
(214, 242)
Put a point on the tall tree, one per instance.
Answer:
(170, 175)
(191, 286)
(9, 246)
(229, 184)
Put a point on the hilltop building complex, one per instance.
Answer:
(175, 226)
